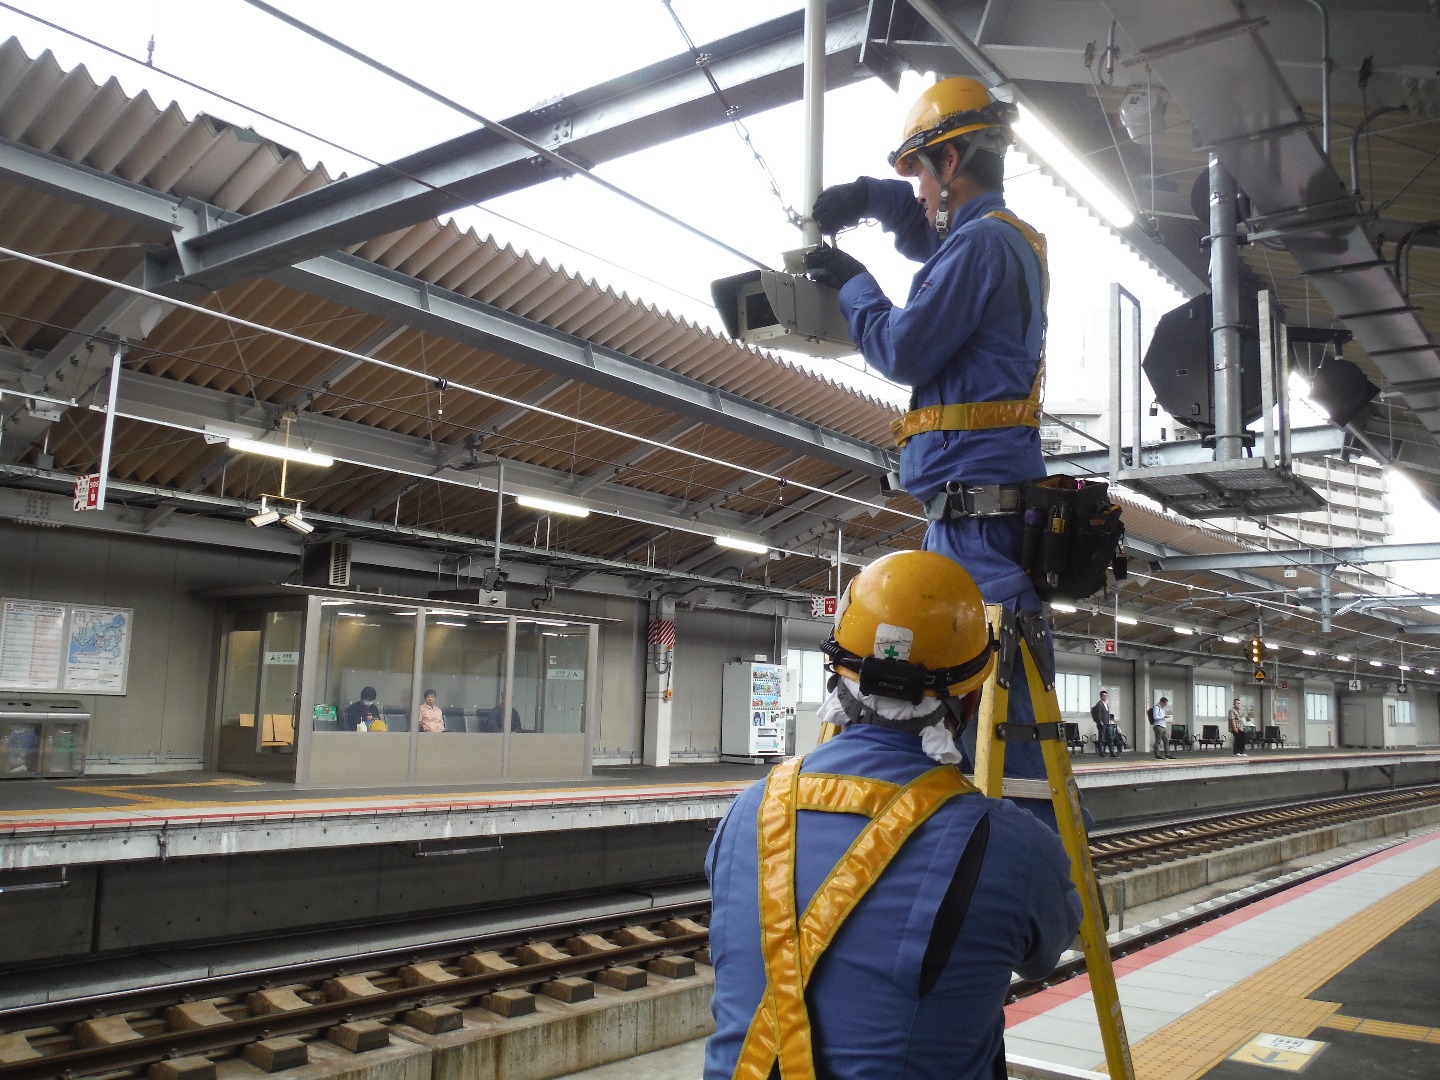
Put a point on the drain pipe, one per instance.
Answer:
(1326, 64)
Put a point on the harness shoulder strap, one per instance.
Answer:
(791, 943)
(986, 415)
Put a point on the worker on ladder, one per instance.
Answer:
(869, 905)
(969, 340)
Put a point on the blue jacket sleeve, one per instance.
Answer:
(1054, 905)
(913, 344)
(893, 204)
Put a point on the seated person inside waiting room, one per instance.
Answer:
(431, 719)
(493, 719)
(364, 714)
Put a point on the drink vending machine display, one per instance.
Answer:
(757, 704)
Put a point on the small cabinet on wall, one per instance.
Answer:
(342, 689)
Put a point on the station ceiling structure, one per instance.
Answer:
(248, 295)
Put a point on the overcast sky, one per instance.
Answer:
(500, 59)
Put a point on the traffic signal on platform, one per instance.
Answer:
(1257, 650)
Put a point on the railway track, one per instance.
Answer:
(1143, 847)
(279, 1017)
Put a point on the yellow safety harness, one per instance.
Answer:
(791, 944)
(983, 415)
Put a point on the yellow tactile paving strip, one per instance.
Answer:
(1276, 999)
(1383, 1028)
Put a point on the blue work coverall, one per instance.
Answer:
(869, 1016)
(972, 329)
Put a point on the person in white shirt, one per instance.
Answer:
(1160, 725)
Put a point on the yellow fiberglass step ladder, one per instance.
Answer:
(1023, 638)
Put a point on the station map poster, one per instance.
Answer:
(75, 647)
(97, 651)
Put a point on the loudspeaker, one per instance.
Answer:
(326, 566)
(1180, 363)
(1341, 389)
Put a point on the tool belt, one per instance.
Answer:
(1073, 536)
(957, 500)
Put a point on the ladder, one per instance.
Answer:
(1023, 638)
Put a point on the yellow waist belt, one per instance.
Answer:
(974, 416)
(780, 1029)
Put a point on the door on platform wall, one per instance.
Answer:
(1352, 724)
(259, 685)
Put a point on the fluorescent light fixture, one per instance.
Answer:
(1429, 671)
(298, 523)
(1184, 630)
(444, 611)
(1311, 652)
(407, 614)
(443, 622)
(739, 543)
(1376, 663)
(1068, 609)
(1231, 638)
(334, 603)
(1342, 657)
(1404, 667)
(276, 450)
(351, 614)
(1047, 146)
(552, 506)
(1126, 620)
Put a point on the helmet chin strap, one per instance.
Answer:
(942, 212)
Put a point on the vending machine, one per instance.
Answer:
(757, 707)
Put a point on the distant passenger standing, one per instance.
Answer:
(1237, 730)
(1159, 726)
(1106, 728)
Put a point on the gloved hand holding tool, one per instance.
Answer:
(831, 266)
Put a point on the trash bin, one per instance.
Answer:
(43, 737)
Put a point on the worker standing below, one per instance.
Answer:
(969, 341)
(868, 904)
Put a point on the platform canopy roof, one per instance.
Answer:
(442, 371)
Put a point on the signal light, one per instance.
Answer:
(1257, 650)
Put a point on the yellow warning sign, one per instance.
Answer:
(1259, 674)
(1278, 1052)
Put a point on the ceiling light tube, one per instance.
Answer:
(1376, 663)
(1231, 638)
(284, 453)
(1048, 147)
(1342, 657)
(1127, 620)
(552, 506)
(740, 543)
(1311, 652)
(1068, 609)
(1184, 630)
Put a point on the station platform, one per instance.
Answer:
(162, 816)
(1335, 977)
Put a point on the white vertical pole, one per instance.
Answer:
(109, 436)
(814, 99)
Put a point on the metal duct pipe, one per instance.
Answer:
(1325, 65)
(1225, 322)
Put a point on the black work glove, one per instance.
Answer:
(841, 206)
(831, 266)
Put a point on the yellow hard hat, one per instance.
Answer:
(911, 625)
(949, 109)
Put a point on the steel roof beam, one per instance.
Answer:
(392, 295)
(758, 68)
(1312, 557)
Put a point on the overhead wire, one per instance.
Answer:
(459, 387)
(462, 201)
(497, 128)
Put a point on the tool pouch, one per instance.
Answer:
(1073, 535)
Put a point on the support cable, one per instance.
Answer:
(496, 128)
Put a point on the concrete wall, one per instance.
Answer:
(705, 641)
